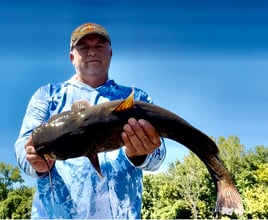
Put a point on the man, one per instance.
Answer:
(78, 190)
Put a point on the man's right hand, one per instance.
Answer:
(35, 160)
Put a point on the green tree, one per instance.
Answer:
(186, 190)
(256, 202)
(161, 200)
(194, 183)
(254, 181)
(251, 160)
(15, 198)
(150, 195)
(18, 204)
(9, 177)
(262, 173)
(256, 197)
(179, 192)
(231, 153)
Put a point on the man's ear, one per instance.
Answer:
(71, 56)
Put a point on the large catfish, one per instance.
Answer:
(86, 131)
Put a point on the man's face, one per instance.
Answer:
(91, 56)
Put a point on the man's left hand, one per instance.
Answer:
(140, 138)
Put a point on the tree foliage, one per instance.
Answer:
(255, 191)
(15, 198)
(9, 176)
(187, 191)
(231, 154)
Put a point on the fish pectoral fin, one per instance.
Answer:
(93, 157)
(128, 103)
(80, 105)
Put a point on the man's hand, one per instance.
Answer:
(34, 159)
(140, 138)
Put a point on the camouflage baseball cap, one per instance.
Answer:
(85, 29)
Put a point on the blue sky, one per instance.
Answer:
(207, 61)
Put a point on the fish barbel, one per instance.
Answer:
(86, 131)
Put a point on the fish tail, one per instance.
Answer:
(228, 200)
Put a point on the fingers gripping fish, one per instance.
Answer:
(86, 131)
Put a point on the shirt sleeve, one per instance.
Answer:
(36, 113)
(153, 161)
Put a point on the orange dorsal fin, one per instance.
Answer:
(128, 103)
(80, 105)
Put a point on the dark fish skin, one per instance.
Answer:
(98, 129)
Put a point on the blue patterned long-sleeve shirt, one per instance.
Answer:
(78, 190)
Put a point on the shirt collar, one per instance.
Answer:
(79, 84)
